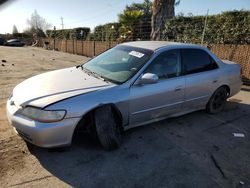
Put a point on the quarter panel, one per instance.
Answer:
(200, 87)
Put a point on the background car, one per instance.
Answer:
(14, 42)
(2, 41)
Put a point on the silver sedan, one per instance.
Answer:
(129, 85)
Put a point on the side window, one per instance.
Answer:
(195, 60)
(166, 65)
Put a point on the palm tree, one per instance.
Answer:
(163, 10)
(130, 19)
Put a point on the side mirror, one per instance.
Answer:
(148, 78)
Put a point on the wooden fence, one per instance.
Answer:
(237, 53)
(79, 47)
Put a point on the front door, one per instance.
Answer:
(152, 101)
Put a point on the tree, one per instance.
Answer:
(107, 32)
(79, 33)
(144, 7)
(32, 32)
(135, 21)
(37, 24)
(162, 11)
(232, 27)
(144, 27)
(130, 19)
(14, 31)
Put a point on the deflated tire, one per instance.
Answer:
(107, 128)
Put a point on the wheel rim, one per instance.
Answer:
(219, 99)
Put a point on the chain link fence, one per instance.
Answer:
(233, 52)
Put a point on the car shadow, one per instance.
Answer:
(151, 156)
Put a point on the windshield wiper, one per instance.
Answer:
(79, 66)
(91, 73)
(99, 76)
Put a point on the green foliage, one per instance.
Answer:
(76, 33)
(136, 21)
(80, 33)
(107, 32)
(14, 31)
(232, 27)
(90, 37)
(18, 36)
(33, 32)
(130, 17)
(144, 7)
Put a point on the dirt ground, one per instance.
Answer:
(195, 150)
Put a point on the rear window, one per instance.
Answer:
(196, 60)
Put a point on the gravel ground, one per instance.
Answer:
(194, 150)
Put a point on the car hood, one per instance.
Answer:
(50, 87)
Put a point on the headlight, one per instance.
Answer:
(42, 115)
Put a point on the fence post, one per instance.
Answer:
(94, 47)
(66, 43)
(60, 45)
(73, 46)
(82, 47)
(54, 38)
(76, 46)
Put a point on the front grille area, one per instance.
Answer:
(24, 135)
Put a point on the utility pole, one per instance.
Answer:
(62, 22)
(204, 30)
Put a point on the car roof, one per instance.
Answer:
(154, 45)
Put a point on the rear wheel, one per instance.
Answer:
(217, 101)
(108, 130)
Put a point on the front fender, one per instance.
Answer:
(80, 105)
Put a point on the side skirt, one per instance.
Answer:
(127, 127)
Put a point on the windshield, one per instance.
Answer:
(119, 64)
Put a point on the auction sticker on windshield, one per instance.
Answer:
(136, 54)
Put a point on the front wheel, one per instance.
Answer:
(217, 101)
(107, 128)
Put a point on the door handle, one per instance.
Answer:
(177, 88)
(215, 81)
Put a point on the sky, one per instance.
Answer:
(90, 13)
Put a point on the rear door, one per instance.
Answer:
(160, 99)
(201, 75)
